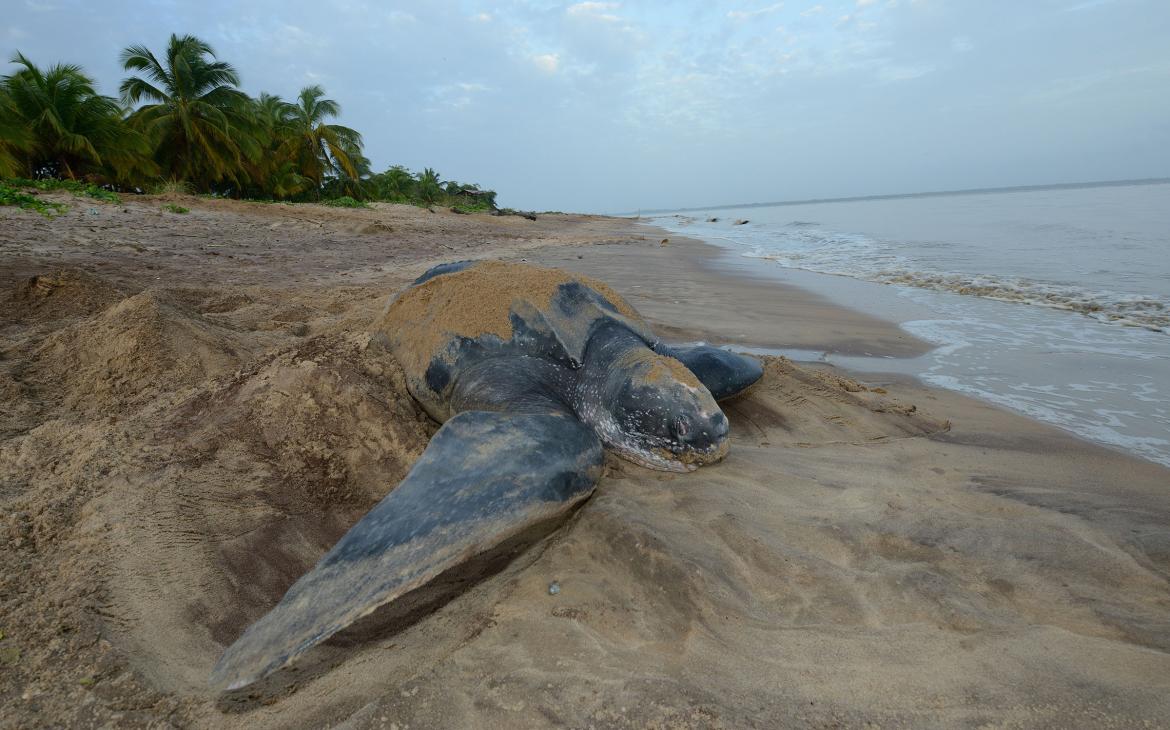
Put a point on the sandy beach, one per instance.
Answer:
(194, 412)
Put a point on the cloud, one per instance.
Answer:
(455, 96)
(547, 62)
(482, 17)
(398, 16)
(961, 44)
(745, 14)
(594, 10)
(814, 10)
(892, 73)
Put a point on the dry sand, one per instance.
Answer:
(193, 413)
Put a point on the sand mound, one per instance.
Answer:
(210, 301)
(140, 348)
(811, 408)
(66, 293)
(144, 544)
(271, 467)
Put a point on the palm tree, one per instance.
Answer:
(194, 112)
(272, 174)
(14, 137)
(343, 183)
(397, 183)
(321, 149)
(63, 126)
(429, 190)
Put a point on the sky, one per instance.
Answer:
(620, 106)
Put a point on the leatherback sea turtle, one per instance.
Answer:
(532, 371)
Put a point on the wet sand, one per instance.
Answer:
(193, 414)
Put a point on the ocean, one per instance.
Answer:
(1053, 302)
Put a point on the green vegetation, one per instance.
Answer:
(173, 187)
(473, 207)
(172, 208)
(345, 202)
(11, 193)
(523, 214)
(72, 186)
(400, 185)
(61, 127)
(13, 196)
(183, 124)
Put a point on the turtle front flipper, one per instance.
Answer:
(724, 373)
(485, 477)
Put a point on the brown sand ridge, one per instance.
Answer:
(194, 411)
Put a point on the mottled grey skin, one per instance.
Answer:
(525, 422)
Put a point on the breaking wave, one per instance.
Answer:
(808, 245)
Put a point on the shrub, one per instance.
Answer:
(70, 186)
(173, 187)
(473, 207)
(12, 196)
(344, 202)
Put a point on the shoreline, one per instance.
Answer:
(873, 550)
(1090, 379)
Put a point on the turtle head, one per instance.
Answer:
(661, 416)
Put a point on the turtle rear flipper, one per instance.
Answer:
(484, 478)
(724, 373)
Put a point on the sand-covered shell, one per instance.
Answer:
(525, 309)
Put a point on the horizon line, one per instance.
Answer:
(888, 196)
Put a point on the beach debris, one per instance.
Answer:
(665, 241)
(712, 220)
(740, 222)
(554, 588)
(93, 211)
(530, 215)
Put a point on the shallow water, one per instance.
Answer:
(1054, 303)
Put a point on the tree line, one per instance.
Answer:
(182, 122)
